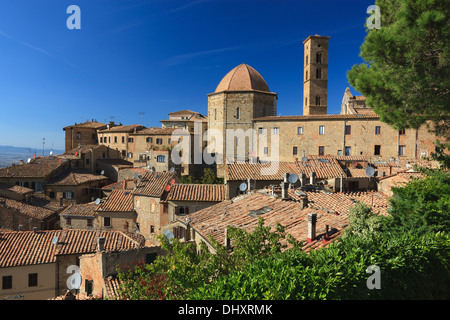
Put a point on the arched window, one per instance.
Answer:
(318, 73)
(319, 57)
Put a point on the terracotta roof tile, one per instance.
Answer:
(197, 192)
(242, 78)
(80, 210)
(36, 211)
(37, 168)
(19, 248)
(154, 183)
(127, 184)
(118, 201)
(75, 177)
(127, 128)
(15, 188)
(87, 124)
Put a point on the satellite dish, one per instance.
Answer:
(102, 172)
(370, 171)
(29, 160)
(97, 201)
(169, 235)
(138, 176)
(304, 159)
(172, 169)
(51, 152)
(293, 178)
(172, 181)
(55, 240)
(167, 188)
(243, 186)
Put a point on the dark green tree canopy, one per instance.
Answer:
(406, 75)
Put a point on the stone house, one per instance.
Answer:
(88, 156)
(118, 138)
(32, 274)
(82, 134)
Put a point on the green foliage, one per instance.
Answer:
(405, 77)
(421, 206)
(362, 220)
(208, 177)
(441, 156)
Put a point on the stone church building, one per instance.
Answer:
(242, 114)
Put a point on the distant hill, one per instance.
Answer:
(10, 154)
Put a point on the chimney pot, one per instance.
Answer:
(312, 219)
(303, 202)
(100, 243)
(284, 190)
(227, 239)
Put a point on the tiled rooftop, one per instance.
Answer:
(87, 124)
(331, 209)
(118, 201)
(80, 210)
(155, 131)
(127, 184)
(75, 177)
(328, 168)
(197, 192)
(15, 189)
(126, 128)
(37, 168)
(37, 210)
(18, 248)
(154, 183)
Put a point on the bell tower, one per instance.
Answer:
(315, 75)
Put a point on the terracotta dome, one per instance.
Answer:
(243, 78)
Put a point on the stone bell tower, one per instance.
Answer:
(315, 75)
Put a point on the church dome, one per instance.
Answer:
(243, 78)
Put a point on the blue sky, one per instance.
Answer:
(134, 61)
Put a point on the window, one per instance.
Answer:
(307, 59)
(32, 280)
(25, 184)
(321, 129)
(123, 139)
(130, 155)
(401, 150)
(68, 195)
(339, 152)
(317, 100)
(124, 152)
(52, 195)
(238, 114)
(107, 222)
(131, 140)
(159, 141)
(266, 150)
(115, 139)
(161, 158)
(87, 160)
(299, 130)
(321, 150)
(348, 151)
(377, 150)
(101, 139)
(401, 132)
(152, 229)
(306, 75)
(89, 222)
(276, 130)
(377, 130)
(89, 286)
(306, 101)
(69, 221)
(260, 130)
(237, 141)
(319, 57)
(348, 129)
(38, 187)
(78, 135)
(294, 151)
(215, 114)
(6, 282)
(318, 73)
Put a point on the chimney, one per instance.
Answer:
(303, 202)
(302, 179)
(227, 239)
(100, 243)
(312, 177)
(312, 218)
